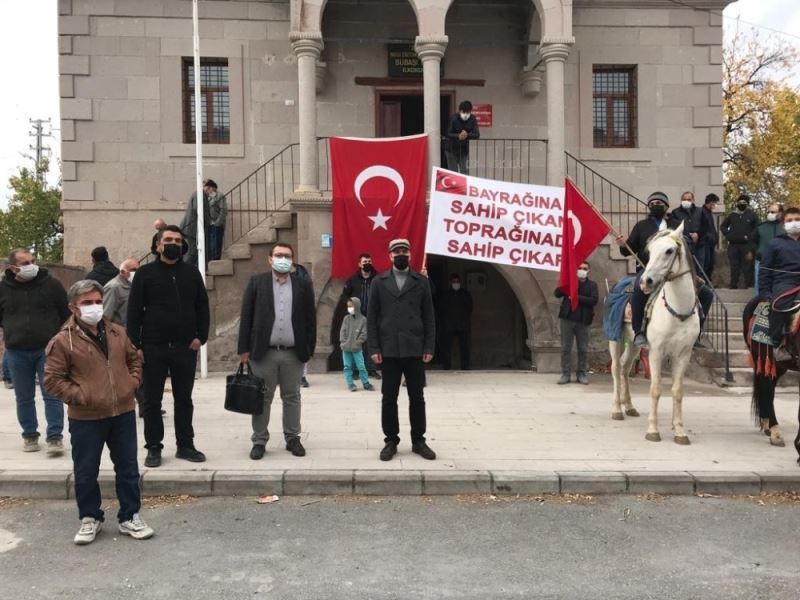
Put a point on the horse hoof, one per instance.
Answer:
(776, 437)
(653, 437)
(632, 412)
(617, 416)
(682, 440)
(777, 442)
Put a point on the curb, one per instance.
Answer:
(54, 484)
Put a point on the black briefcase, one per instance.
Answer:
(244, 392)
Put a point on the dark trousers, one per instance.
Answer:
(448, 337)
(179, 362)
(457, 161)
(393, 370)
(639, 301)
(740, 257)
(371, 366)
(580, 333)
(88, 439)
(705, 258)
(216, 235)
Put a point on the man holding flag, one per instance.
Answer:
(575, 323)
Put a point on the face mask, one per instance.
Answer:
(687, 204)
(793, 227)
(771, 217)
(742, 206)
(368, 268)
(281, 265)
(171, 251)
(351, 310)
(400, 262)
(658, 211)
(28, 272)
(91, 314)
(212, 195)
(465, 116)
(130, 276)
(455, 286)
(583, 273)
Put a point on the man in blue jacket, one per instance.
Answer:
(780, 273)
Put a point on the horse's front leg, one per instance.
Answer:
(617, 375)
(655, 394)
(679, 366)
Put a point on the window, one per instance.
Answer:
(215, 99)
(614, 106)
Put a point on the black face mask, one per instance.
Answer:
(741, 206)
(368, 268)
(400, 262)
(171, 251)
(658, 211)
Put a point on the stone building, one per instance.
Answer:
(629, 89)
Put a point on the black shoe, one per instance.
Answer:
(389, 450)
(295, 447)
(304, 382)
(191, 454)
(423, 450)
(153, 458)
(374, 374)
(257, 452)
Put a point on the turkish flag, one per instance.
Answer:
(378, 195)
(583, 230)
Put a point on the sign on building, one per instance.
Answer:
(403, 61)
(483, 114)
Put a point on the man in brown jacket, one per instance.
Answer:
(94, 369)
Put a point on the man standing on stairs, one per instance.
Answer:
(168, 321)
(636, 245)
(768, 231)
(189, 223)
(709, 238)
(740, 229)
(692, 218)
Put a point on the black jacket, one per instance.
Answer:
(692, 219)
(359, 287)
(400, 323)
(455, 310)
(587, 300)
(103, 272)
(32, 312)
(258, 316)
(640, 234)
(740, 228)
(779, 267)
(167, 304)
(708, 230)
(455, 145)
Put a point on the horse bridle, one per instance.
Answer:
(672, 277)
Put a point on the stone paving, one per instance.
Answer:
(514, 427)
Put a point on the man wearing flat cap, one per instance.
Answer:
(636, 244)
(400, 338)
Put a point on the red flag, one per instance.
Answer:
(378, 195)
(583, 230)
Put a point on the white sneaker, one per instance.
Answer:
(30, 444)
(136, 528)
(55, 447)
(88, 531)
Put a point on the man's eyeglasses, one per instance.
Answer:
(289, 256)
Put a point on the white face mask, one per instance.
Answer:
(28, 272)
(455, 286)
(771, 217)
(792, 227)
(351, 310)
(91, 314)
(465, 116)
(583, 273)
(131, 275)
(687, 204)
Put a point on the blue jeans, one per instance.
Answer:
(216, 235)
(755, 287)
(351, 360)
(25, 366)
(6, 370)
(88, 439)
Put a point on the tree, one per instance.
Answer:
(33, 217)
(761, 121)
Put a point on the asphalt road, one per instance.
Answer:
(410, 548)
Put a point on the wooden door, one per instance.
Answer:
(390, 114)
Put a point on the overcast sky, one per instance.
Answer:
(29, 47)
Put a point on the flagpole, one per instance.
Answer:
(198, 145)
(606, 221)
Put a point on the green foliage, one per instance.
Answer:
(33, 217)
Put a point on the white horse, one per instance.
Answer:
(672, 330)
(623, 354)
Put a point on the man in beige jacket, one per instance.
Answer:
(94, 369)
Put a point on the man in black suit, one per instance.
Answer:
(401, 337)
(278, 333)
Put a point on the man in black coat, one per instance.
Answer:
(575, 325)
(692, 218)
(455, 309)
(740, 228)
(277, 335)
(401, 337)
(709, 238)
(358, 286)
(168, 321)
(33, 307)
(462, 128)
(103, 270)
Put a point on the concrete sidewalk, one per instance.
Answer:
(512, 432)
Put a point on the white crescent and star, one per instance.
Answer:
(447, 183)
(577, 230)
(379, 219)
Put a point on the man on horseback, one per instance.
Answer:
(636, 245)
(779, 278)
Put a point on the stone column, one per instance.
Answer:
(554, 53)
(430, 50)
(307, 47)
